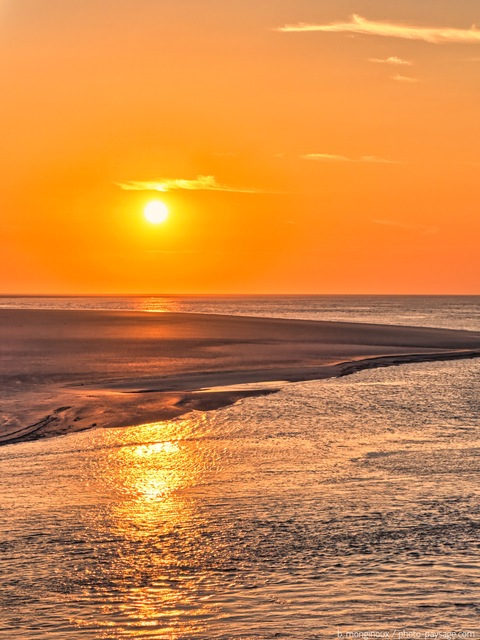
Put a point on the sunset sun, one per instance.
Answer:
(156, 212)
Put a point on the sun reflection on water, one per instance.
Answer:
(147, 587)
(158, 469)
(158, 305)
(153, 471)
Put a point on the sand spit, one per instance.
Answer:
(66, 371)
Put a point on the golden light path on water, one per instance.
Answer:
(150, 485)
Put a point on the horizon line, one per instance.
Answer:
(230, 294)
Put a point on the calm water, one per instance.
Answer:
(336, 506)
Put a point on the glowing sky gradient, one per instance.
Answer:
(301, 147)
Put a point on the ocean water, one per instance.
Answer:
(334, 508)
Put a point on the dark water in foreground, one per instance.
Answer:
(345, 505)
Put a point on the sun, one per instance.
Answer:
(156, 212)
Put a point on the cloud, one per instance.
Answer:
(325, 157)
(392, 60)
(357, 24)
(374, 159)
(328, 157)
(420, 228)
(200, 183)
(407, 79)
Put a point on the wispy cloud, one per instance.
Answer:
(374, 159)
(419, 228)
(328, 157)
(200, 183)
(394, 60)
(406, 79)
(357, 24)
(325, 157)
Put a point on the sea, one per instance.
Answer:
(342, 508)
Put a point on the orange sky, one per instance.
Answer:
(342, 157)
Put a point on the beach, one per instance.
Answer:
(65, 371)
(314, 507)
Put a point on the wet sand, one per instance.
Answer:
(64, 371)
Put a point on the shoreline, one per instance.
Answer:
(209, 400)
(66, 371)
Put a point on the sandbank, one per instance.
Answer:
(66, 371)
